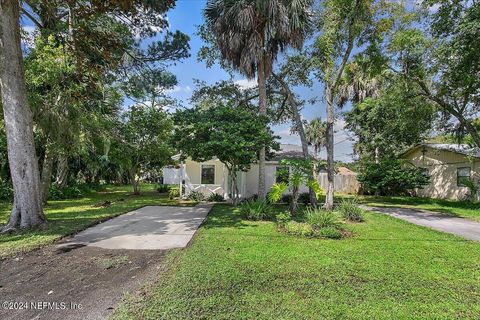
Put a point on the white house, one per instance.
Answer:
(213, 177)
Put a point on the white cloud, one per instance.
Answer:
(179, 89)
(246, 83)
(287, 137)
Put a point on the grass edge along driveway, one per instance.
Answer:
(389, 269)
(67, 217)
(460, 209)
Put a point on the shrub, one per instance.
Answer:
(299, 228)
(174, 192)
(215, 197)
(304, 198)
(283, 218)
(472, 187)
(287, 198)
(350, 210)
(320, 218)
(391, 177)
(69, 192)
(329, 232)
(163, 188)
(276, 192)
(255, 210)
(6, 190)
(196, 196)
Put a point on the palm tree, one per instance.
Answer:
(316, 134)
(250, 34)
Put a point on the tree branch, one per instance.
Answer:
(32, 18)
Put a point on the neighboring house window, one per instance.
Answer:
(208, 174)
(463, 174)
(281, 174)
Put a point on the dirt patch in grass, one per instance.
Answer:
(90, 280)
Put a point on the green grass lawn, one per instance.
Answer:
(389, 269)
(70, 216)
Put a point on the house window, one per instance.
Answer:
(208, 174)
(463, 174)
(281, 174)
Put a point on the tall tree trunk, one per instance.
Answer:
(303, 139)
(135, 181)
(61, 179)
(27, 209)
(297, 120)
(294, 202)
(234, 188)
(262, 110)
(46, 176)
(329, 147)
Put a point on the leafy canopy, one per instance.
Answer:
(233, 135)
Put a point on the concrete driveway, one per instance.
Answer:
(458, 226)
(147, 228)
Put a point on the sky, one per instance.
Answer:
(186, 16)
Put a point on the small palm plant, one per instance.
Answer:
(299, 173)
(350, 210)
(276, 192)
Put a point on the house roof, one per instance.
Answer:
(289, 151)
(345, 171)
(452, 147)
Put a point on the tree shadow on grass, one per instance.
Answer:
(225, 216)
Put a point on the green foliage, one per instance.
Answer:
(204, 134)
(68, 192)
(6, 190)
(301, 229)
(196, 196)
(256, 210)
(441, 61)
(315, 132)
(329, 233)
(350, 210)
(144, 142)
(300, 172)
(232, 134)
(472, 186)
(230, 30)
(283, 218)
(174, 192)
(276, 192)
(163, 188)
(391, 122)
(320, 218)
(215, 197)
(391, 177)
(304, 198)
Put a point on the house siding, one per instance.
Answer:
(193, 177)
(442, 167)
(248, 181)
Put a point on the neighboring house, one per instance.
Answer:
(213, 177)
(449, 166)
(345, 171)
